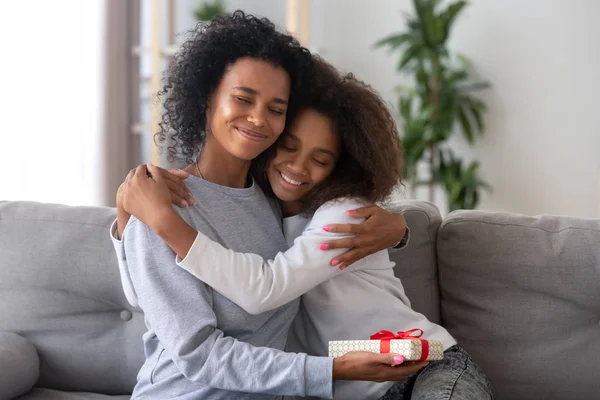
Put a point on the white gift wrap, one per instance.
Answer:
(409, 348)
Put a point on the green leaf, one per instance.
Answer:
(466, 126)
(464, 61)
(405, 108)
(423, 8)
(394, 41)
(477, 117)
(450, 15)
(456, 76)
(208, 11)
(409, 54)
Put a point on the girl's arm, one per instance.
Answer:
(259, 285)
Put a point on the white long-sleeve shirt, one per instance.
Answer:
(336, 305)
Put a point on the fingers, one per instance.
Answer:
(178, 201)
(176, 177)
(179, 196)
(155, 173)
(127, 178)
(344, 228)
(141, 171)
(346, 243)
(396, 359)
(181, 174)
(411, 369)
(364, 212)
(348, 258)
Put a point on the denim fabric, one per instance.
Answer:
(456, 377)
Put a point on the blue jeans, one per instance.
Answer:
(456, 377)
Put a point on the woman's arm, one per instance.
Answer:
(257, 285)
(178, 308)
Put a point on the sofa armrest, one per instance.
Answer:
(19, 365)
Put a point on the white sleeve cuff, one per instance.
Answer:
(196, 246)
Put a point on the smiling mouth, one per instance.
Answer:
(290, 180)
(252, 135)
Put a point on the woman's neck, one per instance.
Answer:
(291, 208)
(220, 167)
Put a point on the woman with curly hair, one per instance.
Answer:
(341, 152)
(227, 98)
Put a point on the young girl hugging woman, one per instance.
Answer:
(227, 98)
(341, 152)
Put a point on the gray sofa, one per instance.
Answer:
(521, 294)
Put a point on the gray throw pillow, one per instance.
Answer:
(19, 365)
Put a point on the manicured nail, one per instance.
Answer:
(192, 201)
(398, 360)
(326, 228)
(184, 203)
(343, 267)
(335, 262)
(324, 246)
(351, 211)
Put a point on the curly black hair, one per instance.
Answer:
(200, 65)
(372, 157)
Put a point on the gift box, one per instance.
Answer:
(409, 344)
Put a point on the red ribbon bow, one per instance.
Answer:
(413, 334)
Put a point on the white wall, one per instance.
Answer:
(541, 149)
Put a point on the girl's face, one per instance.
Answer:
(305, 157)
(246, 114)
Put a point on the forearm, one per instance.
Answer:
(176, 233)
(255, 284)
(122, 220)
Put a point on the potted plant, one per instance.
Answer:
(208, 10)
(440, 103)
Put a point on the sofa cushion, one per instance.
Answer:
(60, 288)
(49, 394)
(522, 295)
(416, 263)
(19, 365)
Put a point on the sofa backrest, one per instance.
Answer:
(416, 264)
(522, 295)
(60, 289)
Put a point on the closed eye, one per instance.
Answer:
(276, 112)
(243, 99)
(320, 163)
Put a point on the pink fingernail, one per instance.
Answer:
(184, 203)
(343, 267)
(398, 359)
(335, 262)
(351, 211)
(326, 228)
(324, 246)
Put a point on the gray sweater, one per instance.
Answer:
(199, 344)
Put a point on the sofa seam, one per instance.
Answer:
(447, 223)
(56, 221)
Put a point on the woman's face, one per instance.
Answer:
(305, 157)
(246, 114)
